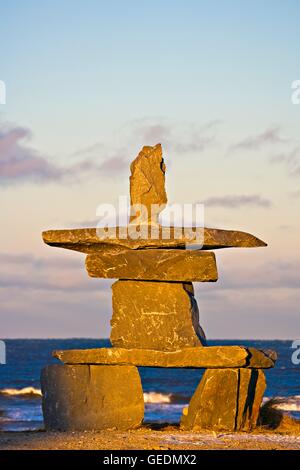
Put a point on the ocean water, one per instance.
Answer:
(166, 391)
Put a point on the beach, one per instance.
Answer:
(166, 392)
(145, 438)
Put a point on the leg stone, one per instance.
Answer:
(91, 397)
(226, 400)
(155, 315)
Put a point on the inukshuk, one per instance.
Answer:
(155, 323)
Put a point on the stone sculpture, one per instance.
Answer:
(155, 323)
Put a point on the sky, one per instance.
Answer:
(88, 83)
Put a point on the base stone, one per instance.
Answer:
(91, 397)
(226, 400)
(155, 315)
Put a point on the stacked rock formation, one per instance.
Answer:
(155, 323)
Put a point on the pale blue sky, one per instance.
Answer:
(92, 81)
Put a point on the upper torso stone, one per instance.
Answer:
(153, 265)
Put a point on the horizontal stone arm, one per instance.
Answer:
(199, 357)
(87, 240)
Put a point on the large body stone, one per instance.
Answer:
(155, 315)
(226, 400)
(147, 185)
(162, 265)
(205, 358)
(89, 397)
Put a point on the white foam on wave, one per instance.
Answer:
(155, 397)
(291, 403)
(288, 407)
(150, 397)
(26, 391)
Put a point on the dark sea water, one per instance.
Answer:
(166, 391)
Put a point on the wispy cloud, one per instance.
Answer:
(269, 137)
(26, 271)
(290, 160)
(32, 261)
(114, 166)
(46, 297)
(276, 274)
(151, 132)
(296, 194)
(19, 162)
(98, 158)
(178, 137)
(238, 201)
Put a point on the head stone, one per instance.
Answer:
(147, 186)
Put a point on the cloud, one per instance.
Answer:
(152, 132)
(110, 167)
(114, 166)
(21, 163)
(27, 272)
(237, 201)
(277, 274)
(178, 137)
(256, 142)
(52, 297)
(110, 164)
(291, 161)
(18, 161)
(252, 298)
(30, 260)
(239, 274)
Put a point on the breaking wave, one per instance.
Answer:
(28, 392)
(164, 398)
(155, 397)
(286, 403)
(291, 403)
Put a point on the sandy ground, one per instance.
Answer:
(169, 437)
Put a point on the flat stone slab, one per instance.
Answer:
(161, 265)
(87, 241)
(91, 397)
(155, 315)
(210, 357)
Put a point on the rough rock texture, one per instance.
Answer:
(147, 185)
(252, 386)
(155, 315)
(83, 397)
(262, 356)
(164, 265)
(87, 240)
(226, 400)
(207, 358)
